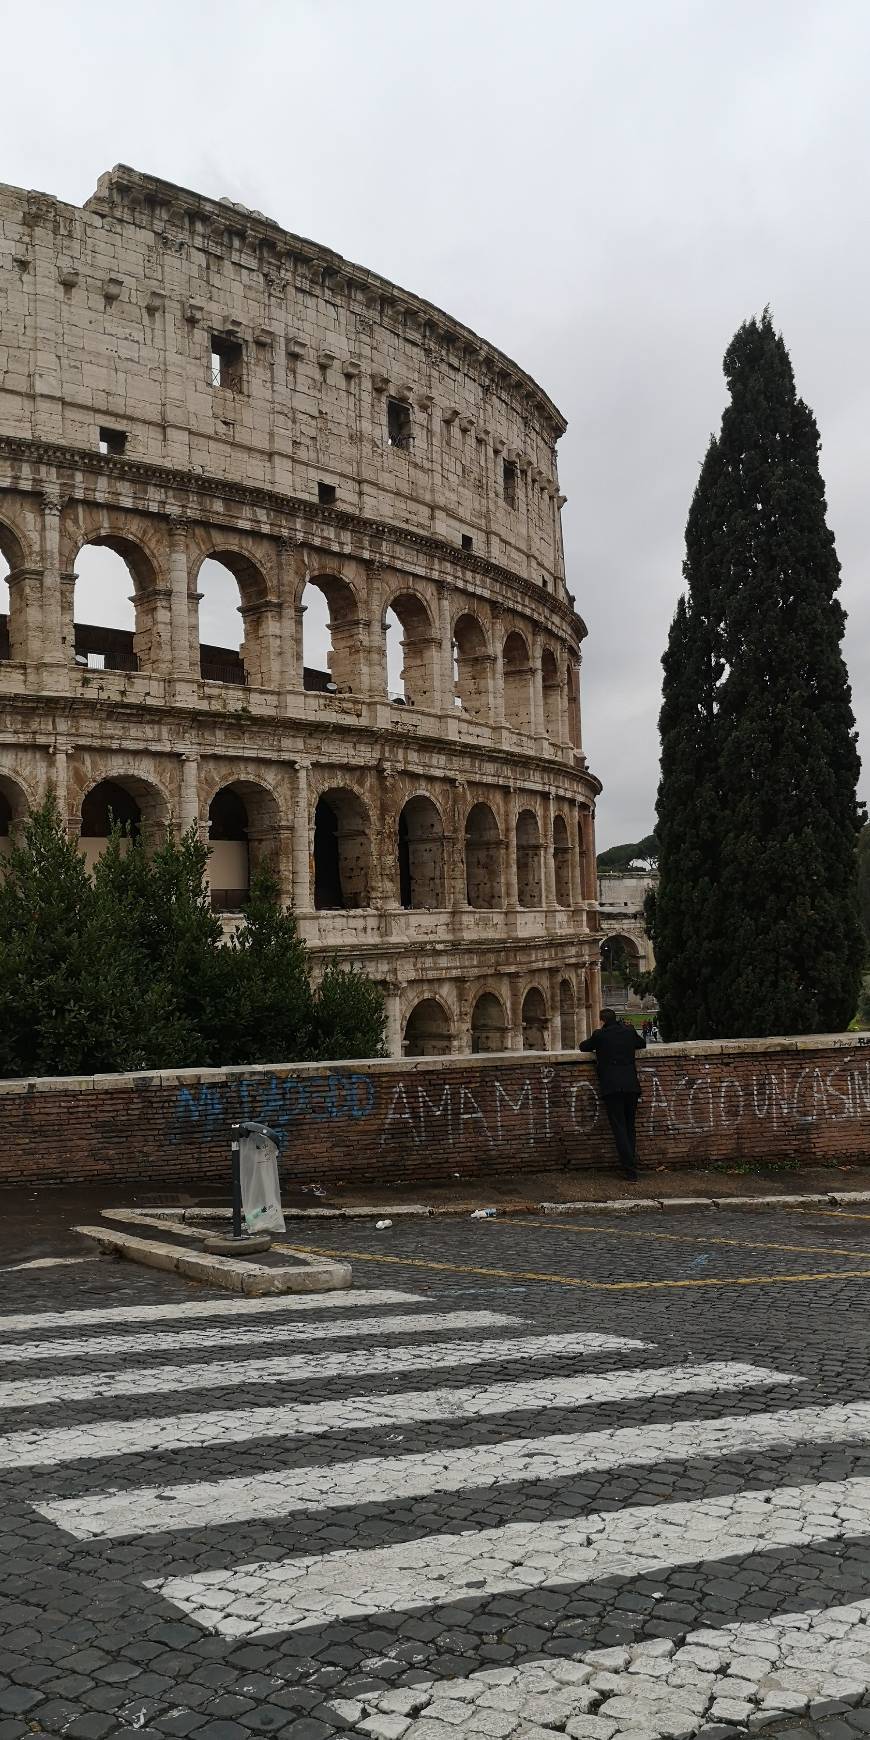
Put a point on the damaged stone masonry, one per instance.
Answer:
(182, 381)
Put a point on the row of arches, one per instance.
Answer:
(238, 634)
(243, 824)
(432, 1031)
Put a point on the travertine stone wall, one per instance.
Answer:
(181, 379)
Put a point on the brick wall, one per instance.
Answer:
(426, 1119)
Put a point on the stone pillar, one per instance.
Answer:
(509, 831)
(515, 1015)
(152, 641)
(59, 779)
(446, 693)
(57, 637)
(189, 816)
(290, 567)
(454, 845)
(549, 860)
(301, 844)
(394, 1021)
(537, 686)
(179, 606)
(497, 685)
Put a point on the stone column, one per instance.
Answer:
(515, 1015)
(189, 816)
(537, 687)
(457, 893)
(445, 696)
(57, 643)
(290, 566)
(549, 860)
(509, 832)
(59, 779)
(497, 685)
(179, 605)
(394, 1021)
(301, 847)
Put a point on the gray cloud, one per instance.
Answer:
(604, 192)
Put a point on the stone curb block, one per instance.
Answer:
(233, 1276)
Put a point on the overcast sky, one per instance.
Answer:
(604, 191)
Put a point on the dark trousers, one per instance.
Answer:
(622, 1111)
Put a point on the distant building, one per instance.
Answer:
(626, 949)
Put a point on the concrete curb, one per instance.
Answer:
(233, 1276)
(426, 1211)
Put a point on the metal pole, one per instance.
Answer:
(237, 1190)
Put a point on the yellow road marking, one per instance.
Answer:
(624, 1232)
(577, 1281)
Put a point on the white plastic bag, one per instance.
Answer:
(261, 1192)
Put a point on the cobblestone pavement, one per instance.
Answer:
(599, 1479)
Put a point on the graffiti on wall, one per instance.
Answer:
(548, 1100)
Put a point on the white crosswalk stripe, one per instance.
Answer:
(508, 1437)
(164, 1379)
(260, 1334)
(284, 1595)
(366, 1299)
(102, 1439)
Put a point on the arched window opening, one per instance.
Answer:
(528, 859)
(567, 1015)
(488, 1029)
(517, 684)
(620, 963)
(562, 861)
(427, 1030)
(221, 630)
(421, 856)
(534, 1021)
(112, 620)
(330, 636)
(342, 852)
(107, 806)
(470, 666)
(229, 862)
(5, 646)
(552, 696)
(409, 652)
(13, 811)
(482, 859)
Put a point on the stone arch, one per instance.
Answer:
(428, 1029)
(561, 861)
(243, 830)
(11, 558)
(227, 580)
(140, 807)
(482, 859)
(409, 650)
(342, 851)
(471, 662)
(488, 1024)
(567, 1015)
(552, 693)
(620, 962)
(331, 636)
(114, 629)
(534, 1020)
(528, 847)
(421, 855)
(14, 810)
(517, 674)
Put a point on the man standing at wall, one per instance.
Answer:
(614, 1045)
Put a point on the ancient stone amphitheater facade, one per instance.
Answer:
(182, 381)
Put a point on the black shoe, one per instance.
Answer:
(631, 1176)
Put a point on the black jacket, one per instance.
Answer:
(614, 1047)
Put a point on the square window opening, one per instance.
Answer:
(467, 541)
(326, 494)
(113, 441)
(399, 431)
(509, 479)
(227, 359)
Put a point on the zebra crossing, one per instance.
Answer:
(333, 1468)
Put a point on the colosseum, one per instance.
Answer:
(209, 401)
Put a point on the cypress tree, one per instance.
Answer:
(757, 927)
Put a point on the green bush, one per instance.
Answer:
(129, 969)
